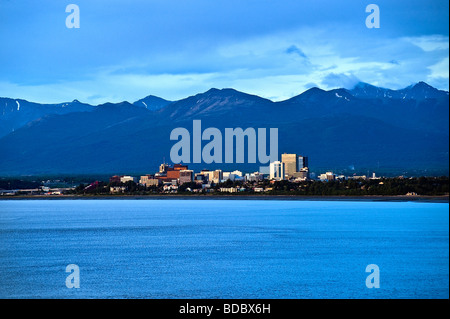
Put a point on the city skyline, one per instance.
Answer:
(180, 173)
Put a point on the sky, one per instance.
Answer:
(126, 50)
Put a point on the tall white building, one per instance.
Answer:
(217, 176)
(208, 174)
(277, 170)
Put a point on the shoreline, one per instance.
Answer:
(367, 198)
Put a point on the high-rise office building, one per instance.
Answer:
(277, 170)
(290, 163)
(302, 162)
(217, 176)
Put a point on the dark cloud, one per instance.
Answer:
(293, 49)
(340, 80)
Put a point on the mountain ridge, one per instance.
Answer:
(336, 128)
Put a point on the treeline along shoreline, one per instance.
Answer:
(407, 188)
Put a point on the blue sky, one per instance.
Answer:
(125, 50)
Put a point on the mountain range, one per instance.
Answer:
(360, 130)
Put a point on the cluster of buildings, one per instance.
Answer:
(170, 177)
(330, 176)
(292, 167)
(42, 190)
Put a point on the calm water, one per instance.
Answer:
(223, 248)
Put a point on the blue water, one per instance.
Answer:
(223, 248)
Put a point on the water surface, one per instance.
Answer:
(223, 248)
